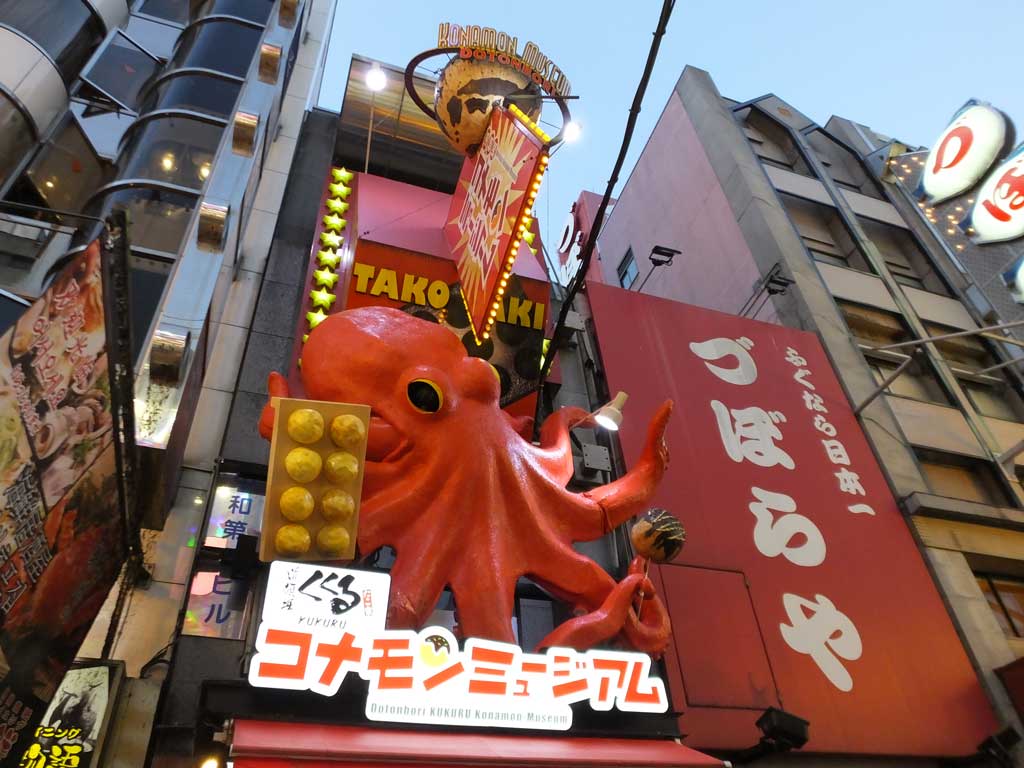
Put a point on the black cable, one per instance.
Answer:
(588, 249)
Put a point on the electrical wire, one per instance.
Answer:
(588, 250)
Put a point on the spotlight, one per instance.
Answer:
(571, 131)
(609, 415)
(784, 730)
(212, 755)
(661, 255)
(781, 732)
(376, 78)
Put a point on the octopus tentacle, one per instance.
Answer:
(555, 450)
(601, 625)
(631, 493)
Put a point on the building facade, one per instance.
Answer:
(813, 227)
(185, 116)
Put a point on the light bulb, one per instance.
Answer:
(376, 78)
(571, 131)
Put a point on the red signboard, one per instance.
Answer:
(487, 218)
(800, 585)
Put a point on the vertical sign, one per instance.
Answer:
(790, 524)
(62, 537)
(488, 218)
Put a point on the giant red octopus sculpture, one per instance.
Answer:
(453, 484)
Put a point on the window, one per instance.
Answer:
(15, 136)
(173, 149)
(121, 70)
(220, 45)
(148, 278)
(194, 92)
(66, 171)
(771, 143)
(903, 257)
(823, 233)
(961, 477)
(1006, 599)
(103, 126)
(157, 218)
(175, 11)
(252, 10)
(875, 328)
(990, 393)
(628, 270)
(67, 30)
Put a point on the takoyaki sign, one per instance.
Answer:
(321, 624)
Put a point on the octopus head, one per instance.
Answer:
(422, 388)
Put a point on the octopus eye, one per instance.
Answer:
(425, 395)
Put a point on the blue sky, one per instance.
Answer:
(902, 68)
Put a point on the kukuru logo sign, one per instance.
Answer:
(321, 624)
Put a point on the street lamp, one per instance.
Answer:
(376, 80)
(571, 131)
(661, 256)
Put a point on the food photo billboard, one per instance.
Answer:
(800, 586)
(61, 526)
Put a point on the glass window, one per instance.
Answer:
(916, 382)
(957, 477)
(157, 218)
(1006, 599)
(904, 258)
(66, 29)
(218, 606)
(197, 93)
(628, 270)
(171, 10)
(66, 171)
(823, 233)
(223, 46)
(149, 276)
(155, 37)
(121, 71)
(16, 137)
(253, 10)
(999, 402)
(236, 509)
(173, 149)
(103, 127)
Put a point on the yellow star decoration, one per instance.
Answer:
(334, 205)
(330, 239)
(325, 278)
(322, 298)
(328, 259)
(315, 318)
(334, 222)
(342, 175)
(340, 190)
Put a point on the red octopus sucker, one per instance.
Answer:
(464, 499)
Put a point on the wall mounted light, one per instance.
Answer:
(609, 415)
(270, 62)
(243, 133)
(213, 220)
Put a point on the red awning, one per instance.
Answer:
(265, 744)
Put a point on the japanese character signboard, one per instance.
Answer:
(234, 511)
(320, 624)
(216, 606)
(73, 730)
(488, 219)
(61, 531)
(792, 531)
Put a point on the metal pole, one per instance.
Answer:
(888, 380)
(958, 334)
(997, 366)
(369, 133)
(647, 277)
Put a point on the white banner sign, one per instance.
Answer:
(423, 677)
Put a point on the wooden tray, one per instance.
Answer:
(278, 479)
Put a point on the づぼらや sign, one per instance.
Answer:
(793, 534)
(321, 624)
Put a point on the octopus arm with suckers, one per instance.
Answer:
(466, 500)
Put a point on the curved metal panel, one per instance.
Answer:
(202, 117)
(113, 13)
(29, 75)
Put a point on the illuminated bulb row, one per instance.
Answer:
(322, 297)
(525, 120)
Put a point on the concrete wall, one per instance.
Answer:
(673, 198)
